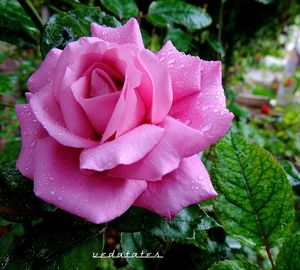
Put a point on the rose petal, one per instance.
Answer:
(98, 109)
(189, 184)
(57, 180)
(48, 113)
(156, 89)
(125, 149)
(31, 131)
(45, 73)
(74, 61)
(77, 56)
(71, 110)
(101, 84)
(179, 141)
(184, 71)
(130, 109)
(206, 110)
(127, 33)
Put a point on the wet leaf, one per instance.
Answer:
(255, 202)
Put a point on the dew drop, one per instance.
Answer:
(52, 192)
(33, 144)
(171, 61)
(206, 128)
(187, 122)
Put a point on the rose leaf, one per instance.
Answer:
(255, 202)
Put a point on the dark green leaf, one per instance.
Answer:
(6, 241)
(141, 244)
(146, 38)
(265, 2)
(255, 201)
(80, 256)
(59, 241)
(123, 9)
(189, 257)
(15, 25)
(288, 257)
(182, 226)
(217, 46)
(234, 265)
(63, 28)
(17, 200)
(163, 13)
(179, 38)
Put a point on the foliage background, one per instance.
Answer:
(254, 222)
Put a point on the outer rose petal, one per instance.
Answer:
(126, 149)
(45, 73)
(206, 111)
(47, 111)
(184, 71)
(57, 180)
(189, 184)
(127, 33)
(31, 131)
(179, 141)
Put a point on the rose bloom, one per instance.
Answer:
(110, 124)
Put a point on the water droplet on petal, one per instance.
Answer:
(171, 61)
(206, 128)
(187, 122)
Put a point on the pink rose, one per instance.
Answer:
(110, 124)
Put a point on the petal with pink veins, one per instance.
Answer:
(31, 131)
(188, 184)
(127, 33)
(126, 149)
(58, 180)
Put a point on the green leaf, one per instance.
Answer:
(5, 243)
(179, 38)
(123, 9)
(234, 265)
(15, 25)
(141, 244)
(17, 200)
(182, 226)
(63, 28)
(80, 256)
(255, 202)
(217, 46)
(288, 257)
(59, 241)
(163, 13)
